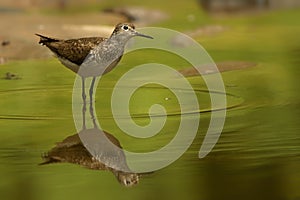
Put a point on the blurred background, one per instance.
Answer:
(256, 46)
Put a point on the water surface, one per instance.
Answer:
(256, 157)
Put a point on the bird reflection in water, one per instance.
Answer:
(108, 154)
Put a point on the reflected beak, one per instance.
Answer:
(142, 35)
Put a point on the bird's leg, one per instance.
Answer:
(93, 114)
(92, 89)
(83, 116)
(83, 89)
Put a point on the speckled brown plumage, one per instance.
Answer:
(74, 50)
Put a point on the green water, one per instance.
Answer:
(257, 153)
(256, 157)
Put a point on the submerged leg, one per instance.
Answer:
(83, 89)
(92, 89)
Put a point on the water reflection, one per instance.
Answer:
(107, 157)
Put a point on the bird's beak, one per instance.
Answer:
(142, 35)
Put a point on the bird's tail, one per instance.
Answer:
(44, 39)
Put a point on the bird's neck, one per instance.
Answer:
(118, 40)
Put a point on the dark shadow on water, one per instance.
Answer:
(229, 178)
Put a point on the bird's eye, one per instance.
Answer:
(125, 27)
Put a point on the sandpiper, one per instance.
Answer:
(92, 56)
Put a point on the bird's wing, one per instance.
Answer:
(74, 50)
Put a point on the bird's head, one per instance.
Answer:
(126, 31)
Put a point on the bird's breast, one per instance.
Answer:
(107, 53)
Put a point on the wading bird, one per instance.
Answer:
(92, 56)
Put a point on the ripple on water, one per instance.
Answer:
(40, 103)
